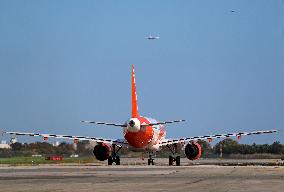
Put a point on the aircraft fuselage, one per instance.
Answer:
(147, 137)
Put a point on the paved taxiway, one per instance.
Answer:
(141, 178)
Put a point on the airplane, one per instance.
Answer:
(150, 37)
(142, 134)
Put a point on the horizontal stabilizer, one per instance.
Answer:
(104, 123)
(165, 122)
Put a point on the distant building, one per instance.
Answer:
(13, 140)
(56, 144)
(4, 145)
(36, 155)
(74, 155)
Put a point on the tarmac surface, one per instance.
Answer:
(138, 178)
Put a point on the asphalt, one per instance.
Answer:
(138, 178)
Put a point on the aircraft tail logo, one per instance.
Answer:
(134, 96)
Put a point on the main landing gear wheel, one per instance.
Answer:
(177, 160)
(114, 158)
(173, 158)
(117, 160)
(150, 160)
(109, 161)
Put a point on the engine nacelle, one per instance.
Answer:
(192, 151)
(102, 151)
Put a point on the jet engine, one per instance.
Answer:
(102, 151)
(192, 151)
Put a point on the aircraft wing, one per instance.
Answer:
(209, 138)
(71, 137)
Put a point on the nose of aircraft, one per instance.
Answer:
(133, 125)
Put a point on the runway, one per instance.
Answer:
(141, 178)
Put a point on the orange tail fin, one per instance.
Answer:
(134, 96)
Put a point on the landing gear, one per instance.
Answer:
(171, 160)
(174, 157)
(109, 161)
(150, 160)
(177, 160)
(114, 158)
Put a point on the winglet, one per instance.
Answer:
(134, 96)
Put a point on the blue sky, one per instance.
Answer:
(66, 61)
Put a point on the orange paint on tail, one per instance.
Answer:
(134, 96)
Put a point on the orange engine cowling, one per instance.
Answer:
(102, 151)
(192, 151)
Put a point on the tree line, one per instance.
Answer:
(226, 147)
(229, 147)
(44, 148)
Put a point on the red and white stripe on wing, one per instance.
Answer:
(210, 138)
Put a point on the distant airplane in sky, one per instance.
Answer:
(150, 37)
(142, 134)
